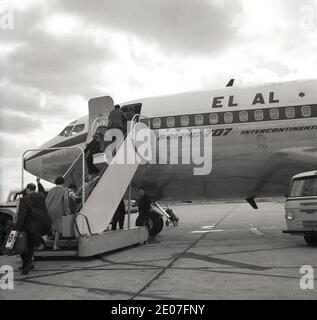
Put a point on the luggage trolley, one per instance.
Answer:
(168, 213)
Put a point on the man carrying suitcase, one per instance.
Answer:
(34, 220)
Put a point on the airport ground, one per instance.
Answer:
(218, 251)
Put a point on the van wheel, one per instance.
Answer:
(311, 240)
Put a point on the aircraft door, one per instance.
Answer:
(98, 108)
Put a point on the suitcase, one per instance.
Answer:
(68, 226)
(17, 243)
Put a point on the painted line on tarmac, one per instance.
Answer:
(251, 229)
(256, 231)
(208, 227)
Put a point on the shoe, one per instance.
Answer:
(41, 247)
(32, 267)
(27, 269)
(55, 248)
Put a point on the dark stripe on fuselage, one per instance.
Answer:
(67, 143)
(238, 117)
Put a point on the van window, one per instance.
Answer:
(79, 128)
(66, 132)
(304, 187)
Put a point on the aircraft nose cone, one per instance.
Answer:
(34, 166)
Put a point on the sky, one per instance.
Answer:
(55, 55)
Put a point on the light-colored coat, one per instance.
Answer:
(57, 203)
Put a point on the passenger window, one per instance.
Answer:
(199, 120)
(185, 121)
(79, 128)
(157, 123)
(258, 115)
(274, 114)
(213, 118)
(66, 131)
(228, 117)
(243, 116)
(290, 113)
(306, 111)
(170, 122)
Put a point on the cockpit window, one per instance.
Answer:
(79, 128)
(66, 132)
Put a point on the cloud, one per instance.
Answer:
(69, 65)
(15, 123)
(178, 26)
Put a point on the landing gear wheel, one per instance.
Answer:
(311, 240)
(156, 223)
(175, 223)
(167, 223)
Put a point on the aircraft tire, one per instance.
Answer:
(156, 223)
(311, 240)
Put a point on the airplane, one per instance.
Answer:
(262, 136)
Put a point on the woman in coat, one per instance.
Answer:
(57, 202)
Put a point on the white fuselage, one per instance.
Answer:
(262, 136)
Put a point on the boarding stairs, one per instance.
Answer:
(87, 232)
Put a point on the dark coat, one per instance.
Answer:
(144, 204)
(93, 147)
(33, 216)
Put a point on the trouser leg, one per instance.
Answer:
(114, 222)
(28, 255)
(121, 220)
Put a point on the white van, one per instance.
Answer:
(301, 207)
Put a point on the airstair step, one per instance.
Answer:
(58, 253)
(69, 243)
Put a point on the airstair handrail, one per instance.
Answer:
(56, 149)
(140, 116)
(87, 223)
(71, 167)
(94, 122)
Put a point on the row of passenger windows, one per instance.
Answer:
(72, 130)
(228, 117)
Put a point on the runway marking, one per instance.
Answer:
(255, 230)
(208, 227)
(251, 229)
(235, 264)
(201, 231)
(178, 256)
(209, 231)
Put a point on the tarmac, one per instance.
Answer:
(218, 251)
